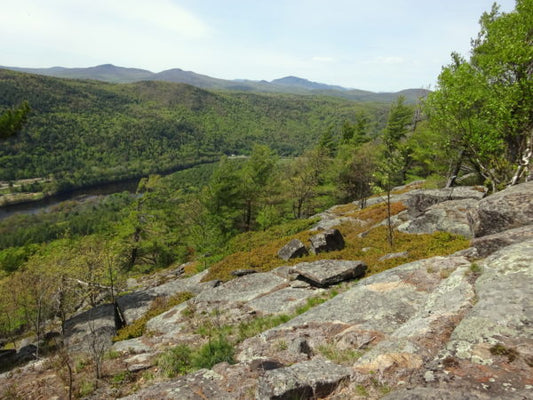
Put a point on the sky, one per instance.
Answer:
(377, 45)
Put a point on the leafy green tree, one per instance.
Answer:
(12, 120)
(356, 172)
(328, 141)
(255, 177)
(34, 288)
(392, 164)
(304, 177)
(483, 106)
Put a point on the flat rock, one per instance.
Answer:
(307, 380)
(135, 305)
(294, 249)
(384, 301)
(201, 385)
(131, 346)
(244, 289)
(510, 208)
(169, 322)
(421, 393)
(284, 301)
(324, 273)
(139, 362)
(390, 256)
(503, 309)
(487, 245)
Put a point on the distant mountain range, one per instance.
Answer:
(289, 84)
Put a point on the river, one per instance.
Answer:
(33, 207)
(129, 185)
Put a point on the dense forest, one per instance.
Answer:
(85, 132)
(303, 154)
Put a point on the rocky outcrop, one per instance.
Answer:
(101, 323)
(439, 328)
(135, 305)
(486, 245)
(324, 273)
(325, 241)
(447, 216)
(294, 249)
(201, 385)
(419, 200)
(306, 380)
(427, 324)
(422, 393)
(510, 208)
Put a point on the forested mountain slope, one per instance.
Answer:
(83, 132)
(289, 84)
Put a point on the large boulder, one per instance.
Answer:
(307, 380)
(419, 200)
(325, 241)
(510, 208)
(324, 273)
(95, 326)
(448, 216)
(294, 249)
(134, 305)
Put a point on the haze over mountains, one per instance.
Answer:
(289, 84)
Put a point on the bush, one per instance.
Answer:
(176, 361)
(182, 359)
(214, 352)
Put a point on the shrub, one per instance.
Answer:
(214, 352)
(176, 361)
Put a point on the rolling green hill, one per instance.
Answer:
(85, 132)
(289, 84)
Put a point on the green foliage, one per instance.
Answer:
(70, 219)
(213, 352)
(86, 388)
(482, 106)
(12, 120)
(183, 359)
(475, 268)
(121, 378)
(87, 132)
(176, 361)
(260, 324)
(311, 302)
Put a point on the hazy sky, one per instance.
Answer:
(379, 45)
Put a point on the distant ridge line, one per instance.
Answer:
(289, 84)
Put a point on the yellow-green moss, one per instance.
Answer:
(263, 257)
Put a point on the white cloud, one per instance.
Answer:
(98, 29)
